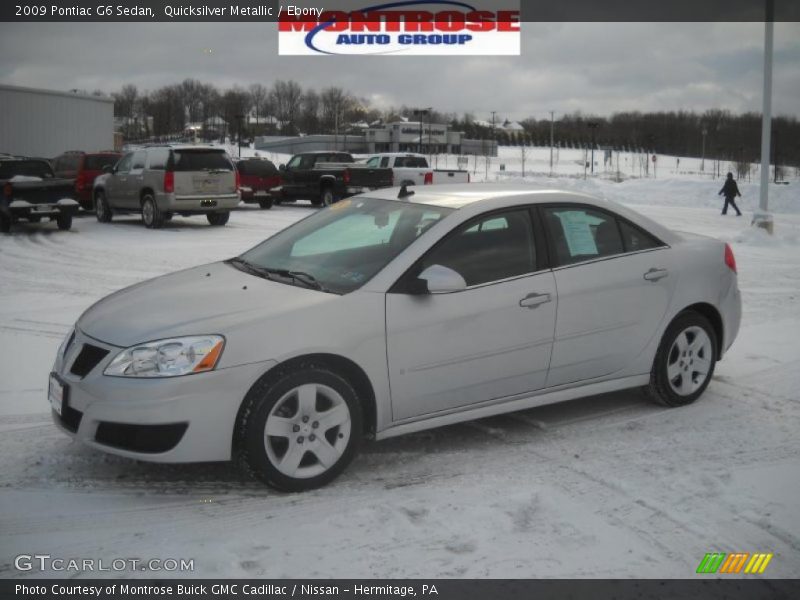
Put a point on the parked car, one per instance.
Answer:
(258, 177)
(382, 316)
(160, 181)
(413, 169)
(326, 177)
(31, 191)
(84, 167)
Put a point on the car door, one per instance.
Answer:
(116, 184)
(133, 184)
(613, 291)
(491, 340)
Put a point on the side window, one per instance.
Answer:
(157, 158)
(125, 163)
(635, 239)
(582, 234)
(138, 159)
(373, 162)
(385, 162)
(294, 162)
(489, 248)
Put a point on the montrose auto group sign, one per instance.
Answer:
(404, 28)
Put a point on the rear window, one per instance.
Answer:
(199, 160)
(96, 162)
(411, 162)
(29, 168)
(257, 168)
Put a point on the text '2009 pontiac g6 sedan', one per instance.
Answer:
(394, 312)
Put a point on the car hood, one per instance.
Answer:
(210, 299)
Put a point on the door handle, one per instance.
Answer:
(534, 300)
(655, 274)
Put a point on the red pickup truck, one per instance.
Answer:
(257, 177)
(84, 167)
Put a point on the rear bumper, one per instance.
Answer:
(731, 309)
(197, 204)
(23, 208)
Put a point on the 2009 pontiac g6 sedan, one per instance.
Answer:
(394, 312)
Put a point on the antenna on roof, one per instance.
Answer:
(404, 193)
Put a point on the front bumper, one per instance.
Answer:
(172, 420)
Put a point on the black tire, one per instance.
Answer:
(265, 204)
(167, 216)
(326, 197)
(251, 445)
(218, 219)
(64, 221)
(152, 217)
(661, 388)
(34, 218)
(102, 211)
(5, 223)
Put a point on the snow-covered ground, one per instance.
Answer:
(608, 486)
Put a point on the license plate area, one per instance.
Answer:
(208, 203)
(57, 392)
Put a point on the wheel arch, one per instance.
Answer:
(345, 367)
(714, 317)
(144, 192)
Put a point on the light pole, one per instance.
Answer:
(240, 120)
(593, 125)
(421, 112)
(551, 142)
(703, 159)
(762, 218)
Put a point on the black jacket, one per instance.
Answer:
(730, 189)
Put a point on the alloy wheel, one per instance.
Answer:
(689, 361)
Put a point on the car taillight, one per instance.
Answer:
(169, 182)
(428, 178)
(346, 176)
(80, 182)
(730, 261)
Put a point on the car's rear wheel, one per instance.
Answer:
(685, 361)
(152, 217)
(265, 204)
(5, 223)
(299, 429)
(102, 211)
(326, 198)
(64, 221)
(218, 219)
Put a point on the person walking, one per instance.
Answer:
(730, 190)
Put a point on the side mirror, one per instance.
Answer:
(108, 169)
(441, 279)
(282, 167)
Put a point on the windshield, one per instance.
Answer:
(344, 246)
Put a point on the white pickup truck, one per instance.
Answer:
(413, 169)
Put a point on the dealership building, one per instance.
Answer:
(399, 136)
(45, 123)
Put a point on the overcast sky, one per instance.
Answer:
(591, 67)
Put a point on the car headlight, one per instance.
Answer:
(168, 358)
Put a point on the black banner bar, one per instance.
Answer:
(152, 11)
(703, 587)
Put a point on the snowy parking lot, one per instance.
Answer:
(607, 486)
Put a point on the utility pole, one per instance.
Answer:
(421, 112)
(494, 136)
(551, 142)
(762, 217)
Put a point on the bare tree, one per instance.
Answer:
(335, 102)
(258, 97)
(286, 96)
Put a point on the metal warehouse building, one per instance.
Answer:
(46, 123)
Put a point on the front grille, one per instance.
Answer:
(88, 358)
(150, 439)
(70, 418)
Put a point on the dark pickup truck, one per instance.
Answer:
(31, 191)
(326, 177)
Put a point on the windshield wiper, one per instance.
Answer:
(247, 267)
(305, 278)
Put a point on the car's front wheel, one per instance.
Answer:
(685, 361)
(300, 429)
(102, 211)
(265, 204)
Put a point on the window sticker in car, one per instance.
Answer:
(578, 233)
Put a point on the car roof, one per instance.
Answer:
(460, 195)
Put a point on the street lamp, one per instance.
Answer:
(420, 112)
(240, 120)
(703, 159)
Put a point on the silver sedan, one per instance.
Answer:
(394, 312)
